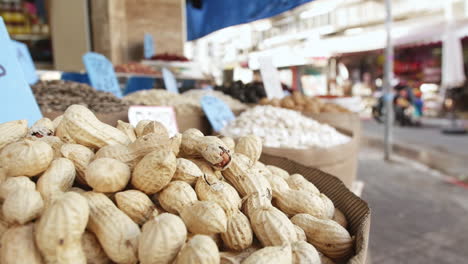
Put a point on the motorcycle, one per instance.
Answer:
(404, 112)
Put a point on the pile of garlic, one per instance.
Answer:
(283, 128)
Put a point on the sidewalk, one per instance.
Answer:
(426, 144)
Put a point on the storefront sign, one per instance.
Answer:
(16, 98)
(101, 73)
(148, 46)
(270, 77)
(170, 81)
(26, 62)
(219, 114)
(163, 114)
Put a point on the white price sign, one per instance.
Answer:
(163, 114)
(270, 77)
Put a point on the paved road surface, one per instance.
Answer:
(417, 217)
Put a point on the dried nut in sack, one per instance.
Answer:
(328, 205)
(161, 239)
(200, 217)
(81, 156)
(18, 246)
(58, 233)
(22, 202)
(12, 131)
(272, 227)
(93, 250)
(26, 158)
(229, 142)
(238, 235)
(250, 146)
(116, 232)
(303, 252)
(340, 218)
(255, 201)
(278, 172)
(42, 128)
(127, 129)
(187, 171)
(267, 255)
(246, 181)
(235, 257)
(56, 180)
(326, 235)
(54, 142)
(154, 171)
(211, 148)
(137, 205)
(301, 236)
(209, 188)
(107, 175)
(80, 125)
(199, 249)
(298, 182)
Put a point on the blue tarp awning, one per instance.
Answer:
(217, 14)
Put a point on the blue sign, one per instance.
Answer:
(26, 62)
(101, 73)
(16, 98)
(219, 114)
(170, 81)
(148, 46)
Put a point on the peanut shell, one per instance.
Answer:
(200, 249)
(176, 196)
(204, 217)
(154, 171)
(268, 255)
(187, 171)
(81, 156)
(12, 131)
(107, 175)
(19, 247)
(303, 252)
(26, 158)
(137, 205)
(272, 227)
(250, 146)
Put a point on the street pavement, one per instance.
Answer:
(426, 144)
(417, 217)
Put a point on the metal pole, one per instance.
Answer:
(388, 76)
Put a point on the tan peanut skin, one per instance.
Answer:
(58, 233)
(93, 250)
(26, 158)
(19, 247)
(107, 175)
(127, 129)
(80, 125)
(161, 239)
(250, 146)
(176, 196)
(272, 227)
(154, 171)
(12, 131)
(187, 171)
(56, 180)
(200, 249)
(116, 232)
(136, 204)
(204, 217)
(268, 255)
(326, 235)
(276, 171)
(303, 252)
(238, 235)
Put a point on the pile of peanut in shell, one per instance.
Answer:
(302, 103)
(75, 190)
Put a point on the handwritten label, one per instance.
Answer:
(163, 114)
(148, 46)
(101, 73)
(170, 81)
(270, 77)
(26, 62)
(219, 114)
(16, 98)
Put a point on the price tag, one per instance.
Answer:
(148, 46)
(101, 73)
(170, 81)
(270, 77)
(219, 114)
(163, 114)
(26, 62)
(16, 98)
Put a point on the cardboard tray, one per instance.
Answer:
(340, 160)
(356, 210)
